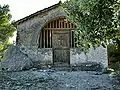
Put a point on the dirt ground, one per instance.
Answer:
(58, 80)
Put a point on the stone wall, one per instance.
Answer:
(29, 31)
(45, 56)
(19, 58)
(98, 56)
(39, 56)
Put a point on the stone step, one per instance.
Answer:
(82, 67)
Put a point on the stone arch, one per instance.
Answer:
(45, 37)
(42, 22)
(47, 24)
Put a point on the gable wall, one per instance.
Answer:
(29, 30)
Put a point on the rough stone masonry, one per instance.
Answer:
(27, 54)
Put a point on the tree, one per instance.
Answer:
(97, 21)
(6, 28)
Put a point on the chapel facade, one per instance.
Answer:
(48, 39)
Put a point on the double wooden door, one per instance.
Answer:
(61, 47)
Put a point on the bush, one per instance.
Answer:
(114, 58)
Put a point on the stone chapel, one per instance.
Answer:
(46, 38)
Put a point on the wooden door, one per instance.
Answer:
(61, 47)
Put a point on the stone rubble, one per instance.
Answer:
(49, 79)
(15, 60)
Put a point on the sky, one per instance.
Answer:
(22, 8)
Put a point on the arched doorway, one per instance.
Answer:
(58, 35)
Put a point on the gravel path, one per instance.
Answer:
(58, 80)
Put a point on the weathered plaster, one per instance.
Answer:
(98, 55)
(39, 56)
(45, 56)
(29, 30)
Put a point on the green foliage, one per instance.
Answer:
(116, 67)
(114, 58)
(6, 28)
(97, 21)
